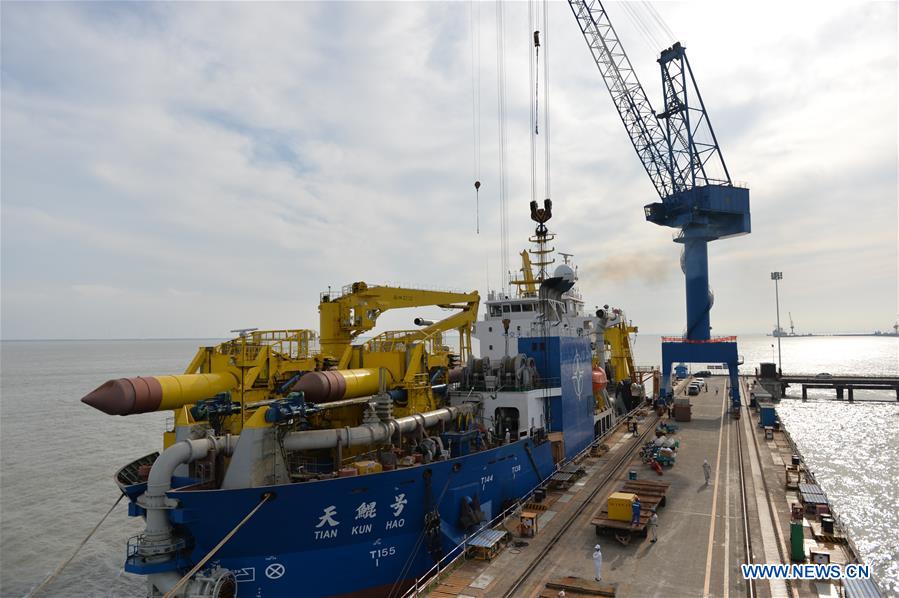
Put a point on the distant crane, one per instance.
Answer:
(792, 330)
(680, 153)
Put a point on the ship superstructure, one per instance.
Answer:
(382, 456)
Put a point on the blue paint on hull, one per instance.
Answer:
(368, 546)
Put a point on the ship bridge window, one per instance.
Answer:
(516, 307)
(506, 309)
(495, 310)
(527, 307)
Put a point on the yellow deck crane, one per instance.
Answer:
(411, 361)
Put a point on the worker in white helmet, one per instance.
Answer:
(597, 563)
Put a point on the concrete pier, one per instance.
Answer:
(840, 383)
(702, 537)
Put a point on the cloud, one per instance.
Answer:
(223, 163)
(98, 290)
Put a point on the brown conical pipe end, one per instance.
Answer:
(114, 397)
(126, 396)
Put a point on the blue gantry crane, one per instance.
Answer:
(681, 155)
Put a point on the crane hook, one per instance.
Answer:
(477, 213)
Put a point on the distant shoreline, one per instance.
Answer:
(222, 338)
(78, 340)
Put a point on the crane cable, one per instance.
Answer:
(65, 563)
(546, 181)
(475, 31)
(501, 118)
(666, 31)
(535, 25)
(532, 65)
(171, 593)
(536, 85)
(640, 26)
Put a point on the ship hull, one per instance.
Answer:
(358, 535)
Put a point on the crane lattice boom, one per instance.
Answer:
(630, 100)
(679, 151)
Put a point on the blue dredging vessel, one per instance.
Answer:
(352, 469)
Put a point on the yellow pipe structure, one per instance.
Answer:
(127, 396)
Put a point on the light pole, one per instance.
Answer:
(775, 276)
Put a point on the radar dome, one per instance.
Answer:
(564, 272)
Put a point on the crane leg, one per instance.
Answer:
(699, 301)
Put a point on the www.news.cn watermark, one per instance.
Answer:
(831, 571)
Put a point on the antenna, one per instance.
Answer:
(565, 257)
(243, 332)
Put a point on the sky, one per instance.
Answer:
(184, 169)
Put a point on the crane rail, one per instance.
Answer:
(747, 540)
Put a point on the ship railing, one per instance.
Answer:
(461, 550)
(400, 340)
(714, 339)
(290, 343)
(131, 547)
(541, 384)
(345, 290)
(423, 582)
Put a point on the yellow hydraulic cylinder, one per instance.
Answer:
(127, 396)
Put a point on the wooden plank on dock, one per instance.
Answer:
(577, 586)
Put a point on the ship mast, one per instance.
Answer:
(527, 284)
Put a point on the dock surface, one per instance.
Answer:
(702, 537)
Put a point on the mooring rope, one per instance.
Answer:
(211, 553)
(65, 563)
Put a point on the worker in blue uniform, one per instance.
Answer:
(635, 511)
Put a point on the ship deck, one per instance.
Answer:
(702, 538)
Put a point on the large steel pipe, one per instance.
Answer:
(370, 434)
(127, 396)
